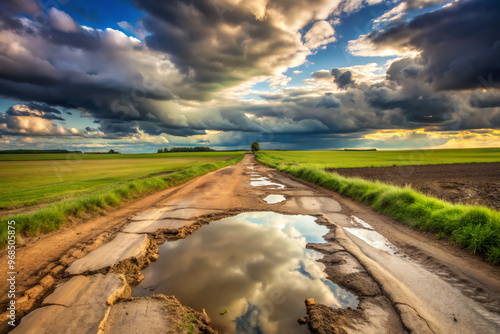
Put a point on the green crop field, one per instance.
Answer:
(90, 156)
(352, 159)
(30, 179)
(91, 184)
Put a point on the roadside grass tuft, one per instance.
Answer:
(494, 255)
(188, 324)
(477, 238)
(445, 220)
(473, 227)
(55, 215)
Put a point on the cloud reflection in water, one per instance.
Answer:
(255, 265)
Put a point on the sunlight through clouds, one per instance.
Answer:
(303, 70)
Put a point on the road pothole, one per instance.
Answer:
(273, 199)
(264, 182)
(365, 232)
(251, 272)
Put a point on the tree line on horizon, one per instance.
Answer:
(59, 151)
(186, 149)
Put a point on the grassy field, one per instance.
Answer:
(108, 190)
(473, 227)
(90, 156)
(41, 178)
(352, 159)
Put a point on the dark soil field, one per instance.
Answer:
(471, 183)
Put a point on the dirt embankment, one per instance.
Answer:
(474, 183)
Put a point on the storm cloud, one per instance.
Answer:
(217, 44)
(459, 44)
(35, 109)
(190, 78)
(342, 79)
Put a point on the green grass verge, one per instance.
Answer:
(473, 227)
(57, 214)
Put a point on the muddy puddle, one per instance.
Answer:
(264, 182)
(366, 233)
(258, 178)
(360, 222)
(251, 272)
(273, 199)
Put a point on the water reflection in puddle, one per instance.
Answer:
(361, 222)
(255, 265)
(272, 199)
(258, 178)
(373, 238)
(265, 182)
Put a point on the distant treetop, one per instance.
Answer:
(186, 149)
(255, 146)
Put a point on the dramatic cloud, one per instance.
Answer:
(33, 119)
(217, 44)
(420, 4)
(11, 9)
(329, 101)
(218, 73)
(342, 79)
(401, 11)
(322, 75)
(104, 72)
(449, 69)
(321, 33)
(365, 47)
(187, 55)
(351, 6)
(61, 21)
(35, 109)
(369, 73)
(422, 138)
(458, 44)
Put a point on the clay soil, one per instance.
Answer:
(474, 183)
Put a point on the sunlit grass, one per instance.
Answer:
(57, 214)
(59, 176)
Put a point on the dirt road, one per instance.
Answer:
(405, 280)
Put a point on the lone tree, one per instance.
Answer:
(255, 146)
